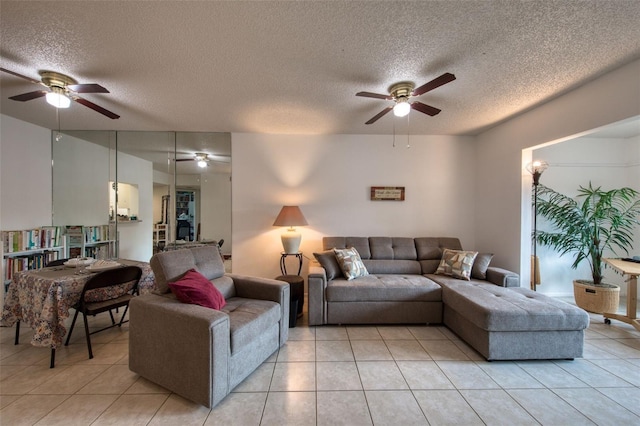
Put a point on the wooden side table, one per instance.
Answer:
(633, 271)
(296, 303)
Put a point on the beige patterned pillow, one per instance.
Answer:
(350, 263)
(457, 263)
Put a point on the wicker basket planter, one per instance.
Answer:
(597, 299)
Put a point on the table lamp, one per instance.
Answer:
(290, 216)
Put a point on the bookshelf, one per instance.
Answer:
(160, 233)
(90, 241)
(30, 249)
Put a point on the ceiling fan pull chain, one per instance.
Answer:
(394, 133)
(408, 133)
(58, 134)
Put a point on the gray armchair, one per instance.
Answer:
(201, 353)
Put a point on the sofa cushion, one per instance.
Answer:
(327, 259)
(170, 265)
(495, 308)
(350, 263)
(196, 289)
(429, 251)
(457, 263)
(480, 266)
(393, 287)
(360, 243)
(375, 266)
(249, 319)
(387, 248)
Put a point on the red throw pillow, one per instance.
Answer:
(196, 289)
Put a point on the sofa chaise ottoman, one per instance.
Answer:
(495, 316)
(198, 352)
(512, 323)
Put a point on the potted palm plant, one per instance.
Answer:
(595, 222)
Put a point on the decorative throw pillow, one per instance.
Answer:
(457, 263)
(350, 263)
(327, 259)
(480, 265)
(196, 289)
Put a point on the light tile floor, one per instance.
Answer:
(331, 375)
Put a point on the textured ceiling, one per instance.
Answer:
(295, 67)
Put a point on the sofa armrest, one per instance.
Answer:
(317, 302)
(180, 346)
(502, 277)
(251, 287)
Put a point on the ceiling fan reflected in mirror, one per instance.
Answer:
(62, 89)
(402, 92)
(203, 159)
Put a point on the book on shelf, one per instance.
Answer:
(26, 262)
(31, 239)
(87, 234)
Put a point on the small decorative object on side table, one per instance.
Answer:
(296, 285)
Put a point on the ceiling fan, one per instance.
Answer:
(62, 90)
(401, 92)
(203, 159)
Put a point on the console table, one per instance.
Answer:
(633, 271)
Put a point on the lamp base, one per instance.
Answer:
(291, 242)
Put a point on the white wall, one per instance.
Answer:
(25, 178)
(136, 238)
(25, 175)
(607, 163)
(215, 208)
(499, 199)
(329, 177)
(80, 182)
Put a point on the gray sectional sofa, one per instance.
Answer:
(198, 352)
(491, 312)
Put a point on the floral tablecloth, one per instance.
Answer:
(42, 298)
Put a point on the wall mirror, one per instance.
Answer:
(173, 188)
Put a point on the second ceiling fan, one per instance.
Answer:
(402, 92)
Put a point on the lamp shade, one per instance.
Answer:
(290, 216)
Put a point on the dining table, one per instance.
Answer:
(42, 299)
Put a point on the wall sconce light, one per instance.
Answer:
(291, 216)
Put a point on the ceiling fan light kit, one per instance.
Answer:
(202, 159)
(402, 107)
(58, 98)
(402, 92)
(62, 90)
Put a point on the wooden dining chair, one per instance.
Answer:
(103, 292)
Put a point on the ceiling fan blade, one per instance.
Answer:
(185, 159)
(21, 76)
(425, 109)
(87, 88)
(95, 107)
(28, 96)
(433, 84)
(374, 95)
(379, 115)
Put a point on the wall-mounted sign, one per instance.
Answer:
(387, 193)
